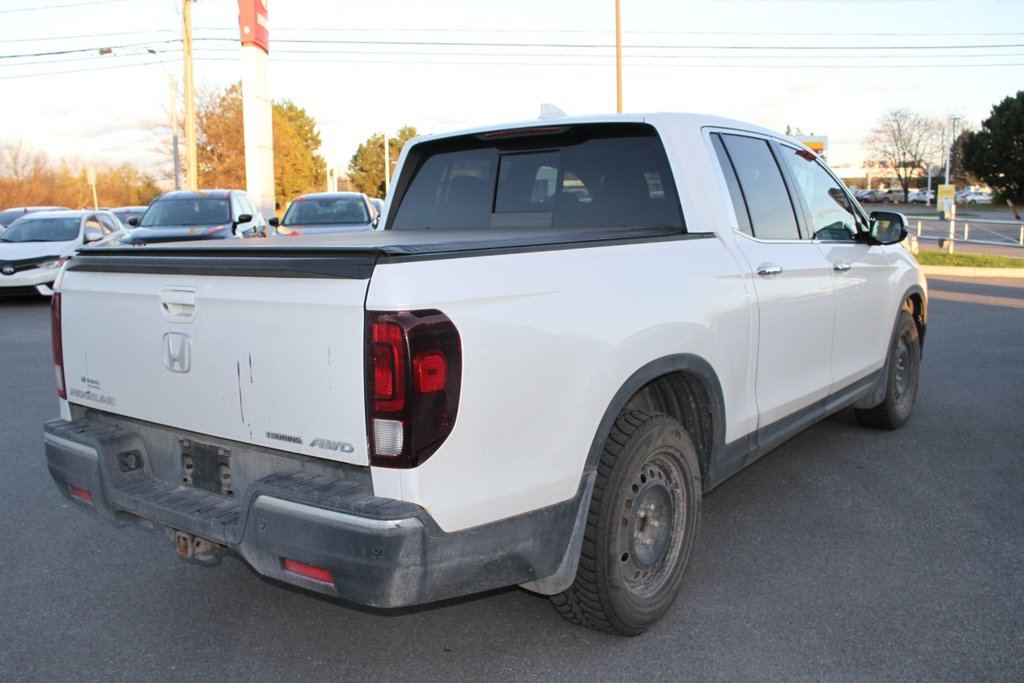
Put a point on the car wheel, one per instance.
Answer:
(903, 371)
(641, 527)
(971, 202)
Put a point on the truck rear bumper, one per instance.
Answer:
(313, 525)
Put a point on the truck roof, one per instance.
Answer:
(657, 119)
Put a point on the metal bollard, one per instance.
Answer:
(967, 231)
(1022, 235)
(952, 236)
(919, 229)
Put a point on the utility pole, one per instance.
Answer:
(387, 164)
(618, 57)
(191, 164)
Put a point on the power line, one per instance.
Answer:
(605, 64)
(87, 49)
(67, 6)
(283, 30)
(448, 43)
(86, 35)
(278, 29)
(469, 44)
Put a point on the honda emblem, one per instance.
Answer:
(177, 352)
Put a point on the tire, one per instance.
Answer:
(904, 370)
(641, 527)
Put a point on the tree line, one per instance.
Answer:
(30, 178)
(908, 142)
(904, 141)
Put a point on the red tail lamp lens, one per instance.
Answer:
(413, 380)
(307, 570)
(80, 494)
(388, 367)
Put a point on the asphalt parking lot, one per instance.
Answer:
(846, 554)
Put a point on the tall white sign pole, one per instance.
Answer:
(257, 112)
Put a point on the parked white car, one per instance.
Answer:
(34, 247)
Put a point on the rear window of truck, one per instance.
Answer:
(583, 176)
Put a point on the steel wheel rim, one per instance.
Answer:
(652, 520)
(903, 371)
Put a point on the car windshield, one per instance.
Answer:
(170, 213)
(41, 230)
(327, 211)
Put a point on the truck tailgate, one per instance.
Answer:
(238, 354)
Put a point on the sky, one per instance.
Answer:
(358, 67)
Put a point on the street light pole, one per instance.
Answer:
(191, 164)
(950, 126)
(174, 119)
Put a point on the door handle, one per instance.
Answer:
(841, 266)
(769, 270)
(178, 304)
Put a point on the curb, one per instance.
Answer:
(961, 271)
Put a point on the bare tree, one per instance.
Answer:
(906, 141)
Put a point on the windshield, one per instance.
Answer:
(42, 230)
(327, 211)
(171, 213)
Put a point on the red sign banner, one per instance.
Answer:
(253, 24)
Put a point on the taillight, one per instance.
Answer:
(413, 378)
(58, 346)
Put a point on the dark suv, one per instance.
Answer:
(186, 215)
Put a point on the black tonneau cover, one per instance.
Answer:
(345, 254)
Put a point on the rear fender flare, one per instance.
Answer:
(713, 443)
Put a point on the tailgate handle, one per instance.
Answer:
(179, 304)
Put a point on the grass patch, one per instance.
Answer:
(941, 258)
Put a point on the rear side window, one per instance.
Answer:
(764, 192)
(582, 177)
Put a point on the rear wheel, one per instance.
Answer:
(641, 527)
(904, 369)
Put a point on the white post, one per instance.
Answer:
(967, 231)
(257, 111)
(919, 228)
(952, 236)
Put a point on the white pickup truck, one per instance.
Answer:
(564, 334)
